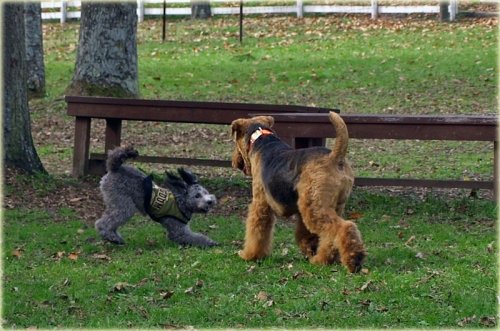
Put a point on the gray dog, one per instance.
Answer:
(127, 190)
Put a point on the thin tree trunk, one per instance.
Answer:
(444, 14)
(200, 9)
(19, 150)
(106, 63)
(34, 49)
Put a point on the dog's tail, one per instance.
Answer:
(118, 155)
(339, 151)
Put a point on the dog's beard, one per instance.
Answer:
(238, 162)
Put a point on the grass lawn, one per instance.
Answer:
(431, 264)
(432, 254)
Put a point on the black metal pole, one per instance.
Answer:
(164, 20)
(241, 21)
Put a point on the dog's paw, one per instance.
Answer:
(249, 256)
(320, 259)
(113, 238)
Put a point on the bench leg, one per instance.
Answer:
(81, 146)
(113, 134)
(495, 170)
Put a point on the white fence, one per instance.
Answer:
(63, 10)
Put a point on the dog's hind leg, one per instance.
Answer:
(181, 233)
(117, 213)
(259, 231)
(307, 241)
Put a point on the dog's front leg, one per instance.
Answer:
(259, 231)
(181, 233)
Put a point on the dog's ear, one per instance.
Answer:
(188, 176)
(174, 183)
(237, 128)
(267, 120)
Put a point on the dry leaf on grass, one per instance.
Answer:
(262, 296)
(17, 253)
(410, 240)
(103, 257)
(121, 287)
(165, 295)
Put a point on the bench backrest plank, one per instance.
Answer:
(443, 127)
(173, 111)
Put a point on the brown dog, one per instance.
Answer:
(312, 183)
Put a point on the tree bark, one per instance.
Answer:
(106, 63)
(34, 49)
(18, 148)
(200, 9)
(444, 14)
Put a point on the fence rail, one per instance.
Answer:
(64, 10)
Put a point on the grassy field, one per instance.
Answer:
(431, 264)
(432, 254)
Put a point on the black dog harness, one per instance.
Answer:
(160, 202)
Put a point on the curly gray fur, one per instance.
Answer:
(117, 156)
(123, 193)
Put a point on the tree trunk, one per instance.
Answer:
(444, 14)
(34, 49)
(106, 63)
(18, 148)
(200, 9)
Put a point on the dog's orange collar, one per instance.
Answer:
(256, 135)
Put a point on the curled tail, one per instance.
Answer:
(118, 155)
(339, 150)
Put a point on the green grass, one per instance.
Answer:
(438, 279)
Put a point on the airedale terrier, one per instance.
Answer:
(311, 183)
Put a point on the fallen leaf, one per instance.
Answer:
(58, 255)
(165, 295)
(251, 269)
(268, 303)
(190, 290)
(101, 257)
(199, 283)
(262, 296)
(365, 286)
(297, 274)
(419, 255)
(490, 247)
(466, 321)
(355, 215)
(365, 271)
(73, 256)
(17, 253)
(121, 287)
(224, 199)
(75, 199)
(488, 321)
(410, 240)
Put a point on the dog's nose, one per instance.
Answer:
(211, 202)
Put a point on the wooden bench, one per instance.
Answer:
(401, 127)
(115, 110)
(299, 126)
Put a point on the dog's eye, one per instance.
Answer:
(197, 196)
